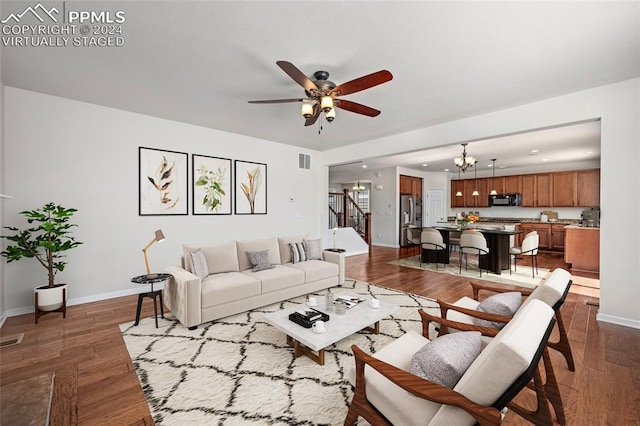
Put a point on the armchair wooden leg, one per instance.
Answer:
(562, 345)
(552, 390)
(541, 416)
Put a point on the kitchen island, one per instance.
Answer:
(582, 249)
(498, 242)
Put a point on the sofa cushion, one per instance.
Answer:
(315, 270)
(220, 257)
(259, 260)
(501, 304)
(199, 262)
(225, 287)
(277, 278)
(297, 252)
(445, 359)
(464, 302)
(313, 249)
(270, 244)
(285, 250)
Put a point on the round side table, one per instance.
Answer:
(153, 294)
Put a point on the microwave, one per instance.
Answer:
(505, 199)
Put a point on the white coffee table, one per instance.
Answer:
(305, 341)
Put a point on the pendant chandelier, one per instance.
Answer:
(464, 162)
(493, 180)
(358, 187)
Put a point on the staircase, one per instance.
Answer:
(344, 212)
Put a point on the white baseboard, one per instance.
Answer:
(3, 318)
(353, 253)
(80, 300)
(612, 319)
(385, 245)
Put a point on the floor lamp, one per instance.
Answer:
(159, 237)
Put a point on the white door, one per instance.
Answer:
(435, 207)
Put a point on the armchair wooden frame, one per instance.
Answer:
(546, 390)
(562, 345)
(425, 389)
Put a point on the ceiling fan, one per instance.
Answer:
(322, 94)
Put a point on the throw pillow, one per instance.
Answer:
(297, 252)
(500, 304)
(313, 249)
(259, 260)
(445, 359)
(199, 262)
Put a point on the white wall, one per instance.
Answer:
(617, 107)
(86, 156)
(2, 191)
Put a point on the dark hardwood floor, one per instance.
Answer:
(96, 384)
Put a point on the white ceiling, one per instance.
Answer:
(200, 62)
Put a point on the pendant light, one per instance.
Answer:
(459, 193)
(493, 180)
(475, 192)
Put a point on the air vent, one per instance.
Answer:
(304, 161)
(15, 339)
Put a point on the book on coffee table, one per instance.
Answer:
(349, 300)
(310, 314)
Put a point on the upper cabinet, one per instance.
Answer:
(579, 188)
(588, 188)
(411, 185)
(575, 188)
(536, 190)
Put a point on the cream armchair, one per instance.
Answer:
(386, 393)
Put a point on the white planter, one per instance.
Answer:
(50, 298)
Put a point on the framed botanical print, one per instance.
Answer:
(162, 182)
(251, 187)
(212, 185)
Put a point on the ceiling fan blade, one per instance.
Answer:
(362, 83)
(316, 113)
(297, 75)
(277, 101)
(356, 107)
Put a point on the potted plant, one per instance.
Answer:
(45, 241)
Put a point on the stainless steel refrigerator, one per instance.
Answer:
(410, 214)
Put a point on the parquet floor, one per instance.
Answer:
(96, 384)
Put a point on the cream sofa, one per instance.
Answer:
(231, 286)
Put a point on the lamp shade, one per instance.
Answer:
(330, 115)
(307, 109)
(326, 103)
(159, 236)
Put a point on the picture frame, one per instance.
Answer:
(162, 182)
(212, 185)
(250, 187)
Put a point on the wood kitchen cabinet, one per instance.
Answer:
(582, 249)
(544, 234)
(496, 183)
(512, 184)
(536, 190)
(471, 200)
(588, 188)
(557, 236)
(457, 185)
(579, 188)
(411, 185)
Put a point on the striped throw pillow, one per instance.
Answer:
(199, 262)
(297, 252)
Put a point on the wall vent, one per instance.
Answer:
(304, 161)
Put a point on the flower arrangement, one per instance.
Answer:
(464, 219)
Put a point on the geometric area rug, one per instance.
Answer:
(239, 370)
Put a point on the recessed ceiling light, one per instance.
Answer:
(534, 151)
(589, 152)
(425, 165)
(490, 165)
(364, 166)
(545, 159)
(446, 170)
(501, 167)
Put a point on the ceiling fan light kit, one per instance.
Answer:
(322, 94)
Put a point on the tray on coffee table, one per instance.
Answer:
(305, 341)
